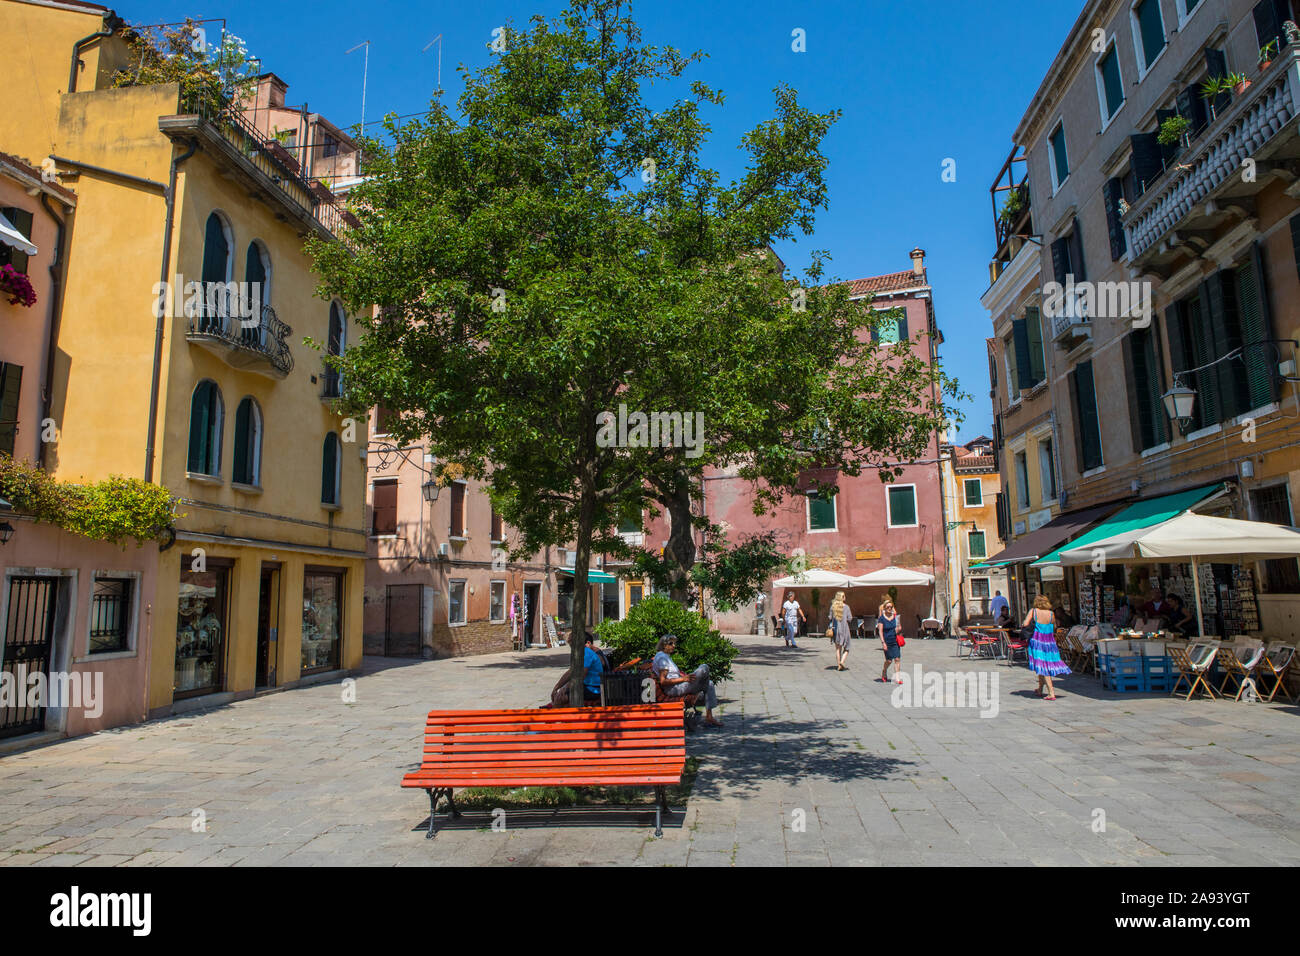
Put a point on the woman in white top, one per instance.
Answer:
(841, 623)
(793, 615)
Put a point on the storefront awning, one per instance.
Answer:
(1139, 515)
(593, 577)
(12, 237)
(1038, 543)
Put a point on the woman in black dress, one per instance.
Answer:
(889, 627)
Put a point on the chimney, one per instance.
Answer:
(918, 261)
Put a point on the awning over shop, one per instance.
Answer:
(1139, 515)
(12, 237)
(1038, 543)
(593, 577)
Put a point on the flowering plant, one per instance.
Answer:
(17, 286)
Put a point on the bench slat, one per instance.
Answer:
(662, 722)
(554, 758)
(467, 742)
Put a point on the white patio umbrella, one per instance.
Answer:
(894, 577)
(815, 578)
(1193, 537)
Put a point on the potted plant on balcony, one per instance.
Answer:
(1213, 90)
(1012, 208)
(1172, 130)
(16, 287)
(1266, 54)
(1237, 82)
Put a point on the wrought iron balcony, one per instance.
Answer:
(255, 344)
(331, 385)
(1012, 219)
(1193, 194)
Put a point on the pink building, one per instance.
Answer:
(72, 609)
(868, 525)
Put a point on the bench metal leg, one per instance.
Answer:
(434, 794)
(661, 807)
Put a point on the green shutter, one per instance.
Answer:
(1136, 394)
(1225, 332)
(1059, 156)
(1155, 388)
(242, 428)
(1020, 336)
(1111, 81)
(976, 542)
(1037, 356)
(1252, 310)
(902, 506)
(11, 380)
(1089, 426)
(1153, 31)
(329, 470)
(821, 514)
(1206, 383)
(200, 429)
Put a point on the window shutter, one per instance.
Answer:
(1155, 387)
(1192, 108)
(1089, 427)
(1268, 26)
(1225, 326)
(1113, 193)
(1034, 330)
(11, 380)
(902, 328)
(1153, 34)
(1136, 396)
(1295, 241)
(385, 510)
(1073, 379)
(200, 426)
(1003, 530)
(21, 220)
(1216, 66)
(1021, 337)
(329, 470)
(1147, 159)
(1256, 326)
(1061, 260)
(242, 423)
(1201, 332)
(1076, 253)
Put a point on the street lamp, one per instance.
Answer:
(6, 532)
(431, 490)
(1179, 401)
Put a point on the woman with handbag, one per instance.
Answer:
(889, 628)
(840, 631)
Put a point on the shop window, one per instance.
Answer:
(384, 513)
(497, 603)
(976, 544)
(322, 634)
(21, 220)
(207, 416)
(456, 529)
(201, 629)
(902, 506)
(330, 465)
(821, 513)
(11, 380)
(974, 492)
(110, 615)
(248, 444)
(1273, 504)
(456, 610)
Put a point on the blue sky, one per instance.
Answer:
(917, 84)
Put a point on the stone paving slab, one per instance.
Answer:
(813, 767)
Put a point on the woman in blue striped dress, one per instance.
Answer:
(1044, 657)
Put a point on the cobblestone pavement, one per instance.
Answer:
(812, 767)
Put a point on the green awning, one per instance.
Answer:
(1142, 514)
(593, 577)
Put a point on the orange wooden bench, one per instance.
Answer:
(636, 746)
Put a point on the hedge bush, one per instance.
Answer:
(697, 643)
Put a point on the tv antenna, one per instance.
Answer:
(365, 72)
(437, 40)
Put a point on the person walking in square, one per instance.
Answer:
(842, 623)
(889, 628)
(793, 615)
(1044, 656)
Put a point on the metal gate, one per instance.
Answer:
(29, 642)
(403, 620)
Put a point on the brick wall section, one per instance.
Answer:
(476, 637)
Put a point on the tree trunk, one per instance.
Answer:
(681, 540)
(581, 561)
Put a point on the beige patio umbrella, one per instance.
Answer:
(1192, 537)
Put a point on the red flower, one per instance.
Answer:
(17, 286)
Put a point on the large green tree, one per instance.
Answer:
(557, 249)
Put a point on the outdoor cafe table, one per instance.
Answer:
(996, 650)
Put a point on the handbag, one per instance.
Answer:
(901, 641)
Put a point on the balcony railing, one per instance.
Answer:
(331, 385)
(1012, 220)
(1239, 132)
(255, 343)
(310, 196)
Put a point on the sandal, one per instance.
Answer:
(1053, 697)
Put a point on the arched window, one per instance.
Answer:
(337, 340)
(329, 470)
(207, 414)
(248, 443)
(216, 273)
(257, 280)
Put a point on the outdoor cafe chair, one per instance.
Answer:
(1193, 665)
(1017, 645)
(965, 640)
(1238, 664)
(1277, 661)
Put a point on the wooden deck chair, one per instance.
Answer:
(1192, 666)
(1277, 661)
(1249, 655)
(1087, 654)
(1232, 668)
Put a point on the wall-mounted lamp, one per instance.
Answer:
(431, 490)
(6, 532)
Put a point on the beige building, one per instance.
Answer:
(972, 490)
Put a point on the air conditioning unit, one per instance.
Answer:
(442, 550)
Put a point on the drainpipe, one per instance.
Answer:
(162, 313)
(111, 22)
(56, 299)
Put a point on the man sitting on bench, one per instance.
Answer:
(594, 669)
(677, 685)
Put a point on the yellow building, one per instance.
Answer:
(221, 402)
